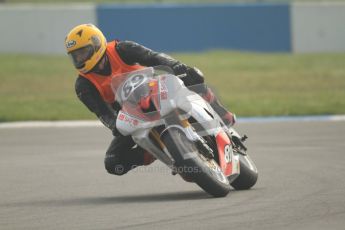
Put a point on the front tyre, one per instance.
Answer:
(205, 172)
(248, 174)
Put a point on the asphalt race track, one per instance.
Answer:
(53, 178)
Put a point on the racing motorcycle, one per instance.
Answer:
(178, 127)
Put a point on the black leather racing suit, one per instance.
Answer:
(121, 156)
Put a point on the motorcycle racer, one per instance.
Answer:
(97, 61)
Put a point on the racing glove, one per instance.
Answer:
(194, 75)
(180, 68)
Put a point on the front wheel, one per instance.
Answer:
(248, 174)
(191, 164)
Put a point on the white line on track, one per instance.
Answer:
(96, 123)
(50, 124)
(291, 118)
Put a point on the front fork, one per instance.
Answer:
(178, 121)
(152, 142)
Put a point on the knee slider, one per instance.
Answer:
(114, 167)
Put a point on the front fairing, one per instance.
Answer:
(129, 89)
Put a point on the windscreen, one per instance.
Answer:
(131, 87)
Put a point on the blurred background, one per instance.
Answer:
(264, 58)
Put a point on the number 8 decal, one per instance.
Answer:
(131, 84)
(227, 153)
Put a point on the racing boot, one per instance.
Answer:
(148, 158)
(121, 157)
(139, 157)
(228, 118)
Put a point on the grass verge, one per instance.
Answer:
(35, 87)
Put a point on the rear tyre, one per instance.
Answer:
(248, 174)
(191, 164)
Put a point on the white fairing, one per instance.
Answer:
(127, 124)
(176, 95)
(172, 95)
(139, 130)
(179, 96)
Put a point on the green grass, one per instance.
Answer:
(42, 87)
(276, 84)
(38, 88)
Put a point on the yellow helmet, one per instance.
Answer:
(86, 45)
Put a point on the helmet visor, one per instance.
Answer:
(80, 56)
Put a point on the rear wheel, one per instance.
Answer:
(248, 174)
(191, 164)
